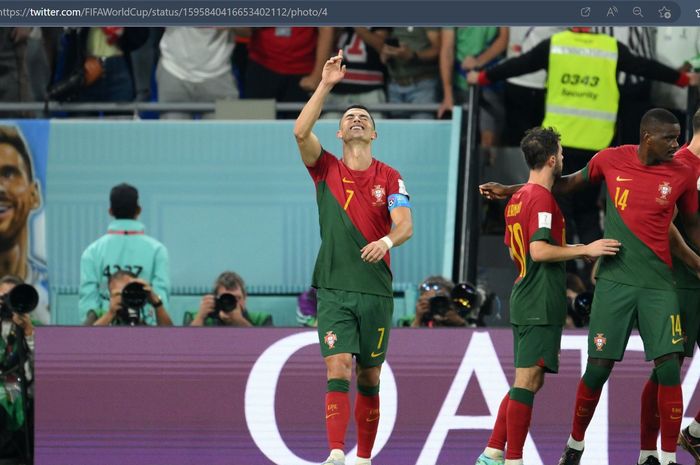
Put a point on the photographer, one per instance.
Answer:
(226, 305)
(439, 305)
(16, 360)
(132, 302)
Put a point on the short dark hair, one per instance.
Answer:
(655, 117)
(120, 274)
(538, 145)
(361, 107)
(230, 280)
(11, 279)
(10, 135)
(124, 201)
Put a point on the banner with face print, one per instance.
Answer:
(23, 159)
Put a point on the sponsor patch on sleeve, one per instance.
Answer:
(398, 200)
(544, 220)
(402, 188)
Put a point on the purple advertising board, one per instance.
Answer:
(171, 396)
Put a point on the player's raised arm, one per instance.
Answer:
(564, 185)
(309, 146)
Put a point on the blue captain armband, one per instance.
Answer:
(398, 200)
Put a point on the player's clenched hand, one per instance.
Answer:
(493, 191)
(374, 251)
(333, 72)
(603, 247)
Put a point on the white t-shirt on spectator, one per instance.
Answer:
(196, 54)
(675, 46)
(521, 40)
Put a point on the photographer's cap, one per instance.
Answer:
(124, 201)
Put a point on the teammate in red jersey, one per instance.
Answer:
(537, 240)
(644, 183)
(688, 290)
(358, 199)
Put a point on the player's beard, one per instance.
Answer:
(558, 170)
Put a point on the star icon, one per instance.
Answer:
(664, 13)
(697, 12)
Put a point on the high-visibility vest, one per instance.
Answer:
(582, 92)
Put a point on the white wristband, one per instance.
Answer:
(389, 243)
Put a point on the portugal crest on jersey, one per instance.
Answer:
(599, 340)
(378, 194)
(664, 191)
(330, 339)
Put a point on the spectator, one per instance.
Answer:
(364, 76)
(195, 66)
(306, 309)
(285, 63)
(226, 305)
(678, 48)
(20, 195)
(439, 305)
(14, 79)
(16, 345)
(411, 56)
(102, 56)
(463, 49)
(124, 247)
(147, 307)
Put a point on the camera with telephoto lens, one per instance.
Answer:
(225, 302)
(134, 298)
(23, 298)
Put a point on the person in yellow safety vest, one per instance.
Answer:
(581, 104)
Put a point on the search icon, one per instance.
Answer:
(637, 11)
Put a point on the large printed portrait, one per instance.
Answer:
(22, 239)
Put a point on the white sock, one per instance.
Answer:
(694, 429)
(667, 457)
(643, 454)
(363, 461)
(337, 454)
(492, 453)
(514, 462)
(574, 444)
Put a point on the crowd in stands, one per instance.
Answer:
(398, 65)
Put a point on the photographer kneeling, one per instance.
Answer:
(16, 360)
(132, 302)
(441, 303)
(226, 305)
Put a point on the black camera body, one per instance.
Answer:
(438, 305)
(23, 298)
(134, 299)
(225, 302)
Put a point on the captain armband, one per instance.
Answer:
(398, 200)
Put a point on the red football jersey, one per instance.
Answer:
(644, 195)
(362, 194)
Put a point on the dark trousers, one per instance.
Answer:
(524, 110)
(263, 83)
